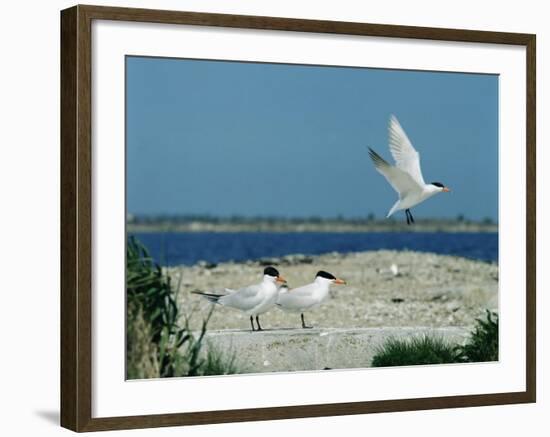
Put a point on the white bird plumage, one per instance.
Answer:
(307, 297)
(405, 156)
(406, 175)
(253, 300)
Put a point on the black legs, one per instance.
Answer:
(410, 219)
(259, 328)
(304, 323)
(258, 322)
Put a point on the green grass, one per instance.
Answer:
(415, 351)
(218, 363)
(483, 343)
(482, 346)
(159, 342)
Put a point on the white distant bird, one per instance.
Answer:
(252, 300)
(309, 296)
(406, 176)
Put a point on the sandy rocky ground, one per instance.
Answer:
(429, 290)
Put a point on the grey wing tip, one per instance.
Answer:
(211, 297)
(376, 158)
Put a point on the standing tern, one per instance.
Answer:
(252, 300)
(406, 176)
(309, 296)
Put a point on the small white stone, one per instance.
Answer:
(266, 363)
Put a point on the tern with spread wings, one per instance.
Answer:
(405, 176)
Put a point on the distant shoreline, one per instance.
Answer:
(333, 226)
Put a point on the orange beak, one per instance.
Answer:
(339, 282)
(446, 190)
(280, 279)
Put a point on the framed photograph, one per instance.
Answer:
(268, 218)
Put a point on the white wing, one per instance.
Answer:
(297, 298)
(405, 155)
(244, 298)
(400, 180)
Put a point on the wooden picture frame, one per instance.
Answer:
(76, 217)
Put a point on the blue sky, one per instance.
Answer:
(233, 138)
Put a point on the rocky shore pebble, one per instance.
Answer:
(385, 288)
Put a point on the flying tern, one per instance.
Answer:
(253, 300)
(309, 296)
(405, 176)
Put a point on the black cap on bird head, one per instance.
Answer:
(323, 274)
(440, 185)
(271, 271)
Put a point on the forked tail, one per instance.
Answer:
(211, 297)
(394, 208)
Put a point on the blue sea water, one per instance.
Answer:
(175, 248)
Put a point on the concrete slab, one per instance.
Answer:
(314, 349)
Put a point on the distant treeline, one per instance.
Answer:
(207, 223)
(158, 219)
